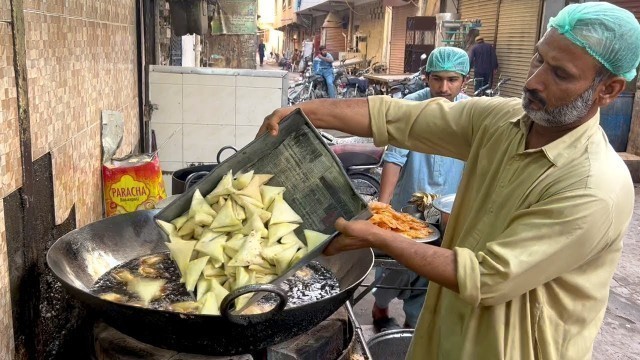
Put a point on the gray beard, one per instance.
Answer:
(562, 115)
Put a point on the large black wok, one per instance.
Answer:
(79, 258)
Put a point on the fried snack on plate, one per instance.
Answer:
(386, 218)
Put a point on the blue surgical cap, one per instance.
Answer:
(609, 33)
(448, 59)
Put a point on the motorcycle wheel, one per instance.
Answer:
(349, 93)
(367, 186)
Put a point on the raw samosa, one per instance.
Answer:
(314, 238)
(276, 232)
(281, 212)
(200, 206)
(249, 253)
(225, 187)
(242, 180)
(255, 224)
(226, 218)
(181, 253)
(262, 178)
(194, 270)
(210, 305)
(213, 248)
(180, 221)
(168, 228)
(269, 193)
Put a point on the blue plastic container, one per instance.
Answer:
(615, 119)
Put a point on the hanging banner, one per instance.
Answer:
(236, 17)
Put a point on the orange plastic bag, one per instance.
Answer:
(132, 183)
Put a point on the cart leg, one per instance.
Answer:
(371, 286)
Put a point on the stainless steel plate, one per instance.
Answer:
(435, 235)
(444, 203)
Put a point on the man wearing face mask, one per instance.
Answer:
(405, 172)
(536, 230)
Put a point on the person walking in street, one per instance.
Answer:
(324, 68)
(261, 50)
(405, 172)
(295, 60)
(484, 61)
(536, 230)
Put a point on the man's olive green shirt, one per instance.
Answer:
(537, 233)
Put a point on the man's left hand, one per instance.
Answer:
(356, 234)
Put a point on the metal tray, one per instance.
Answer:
(444, 203)
(318, 188)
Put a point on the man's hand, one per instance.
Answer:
(271, 123)
(431, 262)
(356, 234)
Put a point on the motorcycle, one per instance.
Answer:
(488, 92)
(313, 86)
(362, 161)
(415, 82)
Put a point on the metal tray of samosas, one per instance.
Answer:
(317, 187)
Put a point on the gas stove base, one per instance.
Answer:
(331, 339)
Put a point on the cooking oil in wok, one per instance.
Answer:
(309, 284)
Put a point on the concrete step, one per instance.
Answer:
(633, 163)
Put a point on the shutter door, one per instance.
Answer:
(485, 10)
(334, 41)
(398, 36)
(517, 37)
(631, 5)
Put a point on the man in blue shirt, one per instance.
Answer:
(324, 67)
(484, 61)
(405, 172)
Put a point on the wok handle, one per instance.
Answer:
(222, 150)
(227, 302)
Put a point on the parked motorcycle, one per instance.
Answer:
(488, 92)
(415, 82)
(362, 161)
(313, 86)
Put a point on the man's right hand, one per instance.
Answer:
(271, 123)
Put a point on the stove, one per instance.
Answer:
(334, 338)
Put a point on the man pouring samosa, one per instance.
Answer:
(537, 227)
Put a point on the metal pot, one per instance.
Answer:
(392, 344)
(79, 258)
(444, 204)
(184, 178)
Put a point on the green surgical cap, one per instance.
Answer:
(609, 33)
(448, 59)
